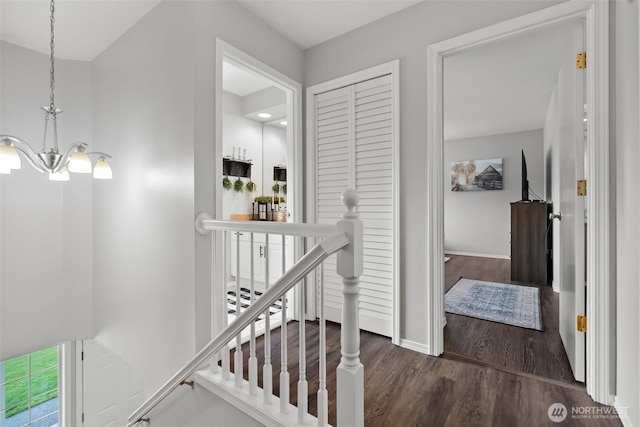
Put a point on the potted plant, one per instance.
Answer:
(238, 185)
(226, 183)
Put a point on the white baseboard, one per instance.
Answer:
(447, 252)
(252, 405)
(415, 346)
(555, 286)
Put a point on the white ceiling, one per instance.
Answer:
(311, 22)
(85, 28)
(504, 87)
(518, 86)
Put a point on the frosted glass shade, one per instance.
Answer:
(102, 169)
(80, 162)
(9, 157)
(63, 175)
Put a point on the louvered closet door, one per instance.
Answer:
(354, 148)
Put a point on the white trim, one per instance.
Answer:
(393, 68)
(623, 413)
(69, 384)
(476, 254)
(595, 14)
(415, 346)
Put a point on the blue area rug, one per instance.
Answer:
(499, 302)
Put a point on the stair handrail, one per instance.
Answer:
(290, 278)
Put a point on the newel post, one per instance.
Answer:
(350, 372)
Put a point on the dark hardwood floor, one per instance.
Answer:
(406, 388)
(536, 353)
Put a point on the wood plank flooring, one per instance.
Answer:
(495, 344)
(406, 388)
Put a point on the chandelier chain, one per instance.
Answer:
(52, 73)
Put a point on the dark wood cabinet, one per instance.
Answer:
(531, 243)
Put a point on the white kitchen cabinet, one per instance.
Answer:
(260, 256)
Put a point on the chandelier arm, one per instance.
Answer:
(100, 153)
(27, 152)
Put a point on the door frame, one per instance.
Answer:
(293, 90)
(600, 340)
(393, 68)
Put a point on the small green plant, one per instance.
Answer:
(238, 185)
(251, 186)
(276, 188)
(284, 188)
(226, 183)
(268, 199)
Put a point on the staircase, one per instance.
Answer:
(210, 367)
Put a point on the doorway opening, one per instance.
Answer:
(258, 163)
(595, 17)
(492, 118)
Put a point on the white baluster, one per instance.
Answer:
(284, 350)
(267, 370)
(238, 361)
(224, 353)
(350, 372)
(323, 397)
(218, 292)
(303, 386)
(253, 360)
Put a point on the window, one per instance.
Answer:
(29, 390)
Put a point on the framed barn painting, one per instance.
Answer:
(476, 175)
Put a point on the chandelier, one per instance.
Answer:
(49, 160)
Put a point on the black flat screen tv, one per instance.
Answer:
(524, 181)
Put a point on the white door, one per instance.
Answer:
(354, 146)
(572, 207)
(110, 391)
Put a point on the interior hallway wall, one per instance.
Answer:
(383, 41)
(478, 223)
(154, 100)
(625, 158)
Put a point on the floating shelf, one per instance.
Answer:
(234, 167)
(279, 174)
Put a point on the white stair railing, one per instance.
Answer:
(343, 238)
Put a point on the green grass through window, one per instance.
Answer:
(41, 386)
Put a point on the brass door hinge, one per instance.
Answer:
(582, 187)
(581, 60)
(582, 323)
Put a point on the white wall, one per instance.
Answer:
(626, 158)
(45, 227)
(154, 109)
(242, 133)
(198, 408)
(479, 222)
(406, 35)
